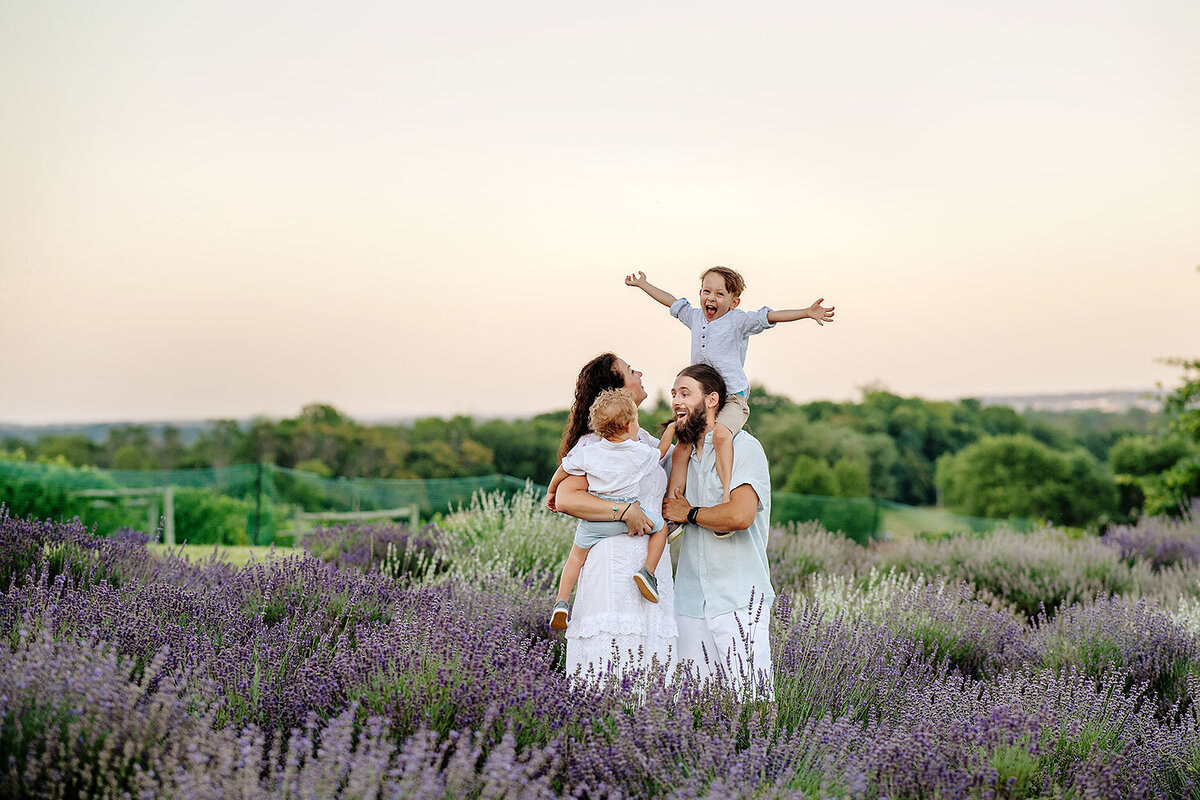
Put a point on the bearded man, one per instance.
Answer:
(723, 589)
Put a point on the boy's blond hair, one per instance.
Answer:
(734, 283)
(612, 412)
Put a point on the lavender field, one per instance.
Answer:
(417, 664)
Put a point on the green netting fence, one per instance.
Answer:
(261, 503)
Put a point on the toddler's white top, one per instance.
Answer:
(722, 343)
(619, 469)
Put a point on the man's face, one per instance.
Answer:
(690, 406)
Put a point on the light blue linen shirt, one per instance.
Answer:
(715, 576)
(722, 343)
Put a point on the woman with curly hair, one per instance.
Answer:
(611, 628)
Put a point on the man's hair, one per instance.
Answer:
(612, 412)
(734, 283)
(709, 379)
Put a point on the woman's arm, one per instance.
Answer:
(573, 499)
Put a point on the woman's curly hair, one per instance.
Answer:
(597, 375)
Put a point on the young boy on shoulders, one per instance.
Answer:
(720, 336)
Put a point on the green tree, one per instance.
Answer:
(1138, 462)
(1177, 488)
(128, 447)
(811, 475)
(1018, 476)
(852, 478)
(76, 448)
(524, 448)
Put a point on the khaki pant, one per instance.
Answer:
(734, 413)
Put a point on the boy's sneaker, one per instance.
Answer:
(674, 531)
(724, 534)
(647, 584)
(558, 617)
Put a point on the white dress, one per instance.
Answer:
(612, 626)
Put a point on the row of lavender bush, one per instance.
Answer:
(417, 664)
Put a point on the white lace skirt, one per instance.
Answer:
(612, 626)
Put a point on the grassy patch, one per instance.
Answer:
(235, 555)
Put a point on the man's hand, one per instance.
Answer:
(736, 515)
(819, 313)
(676, 507)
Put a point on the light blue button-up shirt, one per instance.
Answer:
(722, 343)
(715, 576)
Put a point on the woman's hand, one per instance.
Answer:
(550, 500)
(639, 524)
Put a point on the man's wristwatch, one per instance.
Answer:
(691, 517)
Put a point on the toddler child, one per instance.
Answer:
(622, 470)
(720, 335)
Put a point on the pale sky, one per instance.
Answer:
(224, 209)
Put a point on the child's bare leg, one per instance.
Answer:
(570, 573)
(655, 547)
(723, 447)
(644, 578)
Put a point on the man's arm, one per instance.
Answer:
(736, 515)
(573, 499)
(639, 280)
(815, 312)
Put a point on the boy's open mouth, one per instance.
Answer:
(710, 310)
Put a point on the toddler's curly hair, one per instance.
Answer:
(612, 412)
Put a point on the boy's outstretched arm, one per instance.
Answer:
(639, 280)
(815, 312)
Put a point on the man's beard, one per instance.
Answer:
(693, 426)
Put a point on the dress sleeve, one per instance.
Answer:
(683, 311)
(648, 439)
(756, 321)
(652, 478)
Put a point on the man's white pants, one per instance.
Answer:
(734, 644)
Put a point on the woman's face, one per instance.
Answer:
(633, 380)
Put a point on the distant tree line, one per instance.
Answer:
(1072, 468)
